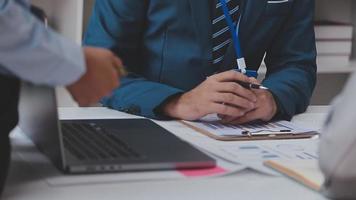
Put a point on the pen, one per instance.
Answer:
(251, 85)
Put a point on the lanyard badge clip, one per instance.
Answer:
(241, 67)
(240, 61)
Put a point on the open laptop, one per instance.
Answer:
(106, 145)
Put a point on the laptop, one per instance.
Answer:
(104, 145)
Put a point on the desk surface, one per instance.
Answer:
(28, 182)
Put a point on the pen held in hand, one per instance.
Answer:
(251, 85)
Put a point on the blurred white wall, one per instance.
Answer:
(66, 16)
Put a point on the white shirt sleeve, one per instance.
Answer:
(338, 145)
(33, 53)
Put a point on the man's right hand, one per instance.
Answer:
(218, 94)
(101, 77)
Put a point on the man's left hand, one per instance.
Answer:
(266, 108)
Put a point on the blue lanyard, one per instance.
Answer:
(241, 65)
(233, 29)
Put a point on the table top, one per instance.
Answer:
(28, 178)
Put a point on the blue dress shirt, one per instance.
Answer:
(33, 53)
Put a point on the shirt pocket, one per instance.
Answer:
(278, 7)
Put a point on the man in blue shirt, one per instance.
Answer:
(180, 56)
(29, 51)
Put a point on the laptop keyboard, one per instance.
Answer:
(93, 142)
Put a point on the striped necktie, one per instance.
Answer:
(221, 33)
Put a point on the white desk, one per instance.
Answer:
(28, 182)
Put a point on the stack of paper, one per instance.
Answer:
(253, 154)
(334, 43)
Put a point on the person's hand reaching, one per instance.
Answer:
(101, 77)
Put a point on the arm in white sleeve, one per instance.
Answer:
(338, 145)
(33, 53)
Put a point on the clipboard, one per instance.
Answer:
(294, 131)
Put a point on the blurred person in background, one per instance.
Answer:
(338, 146)
(31, 52)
